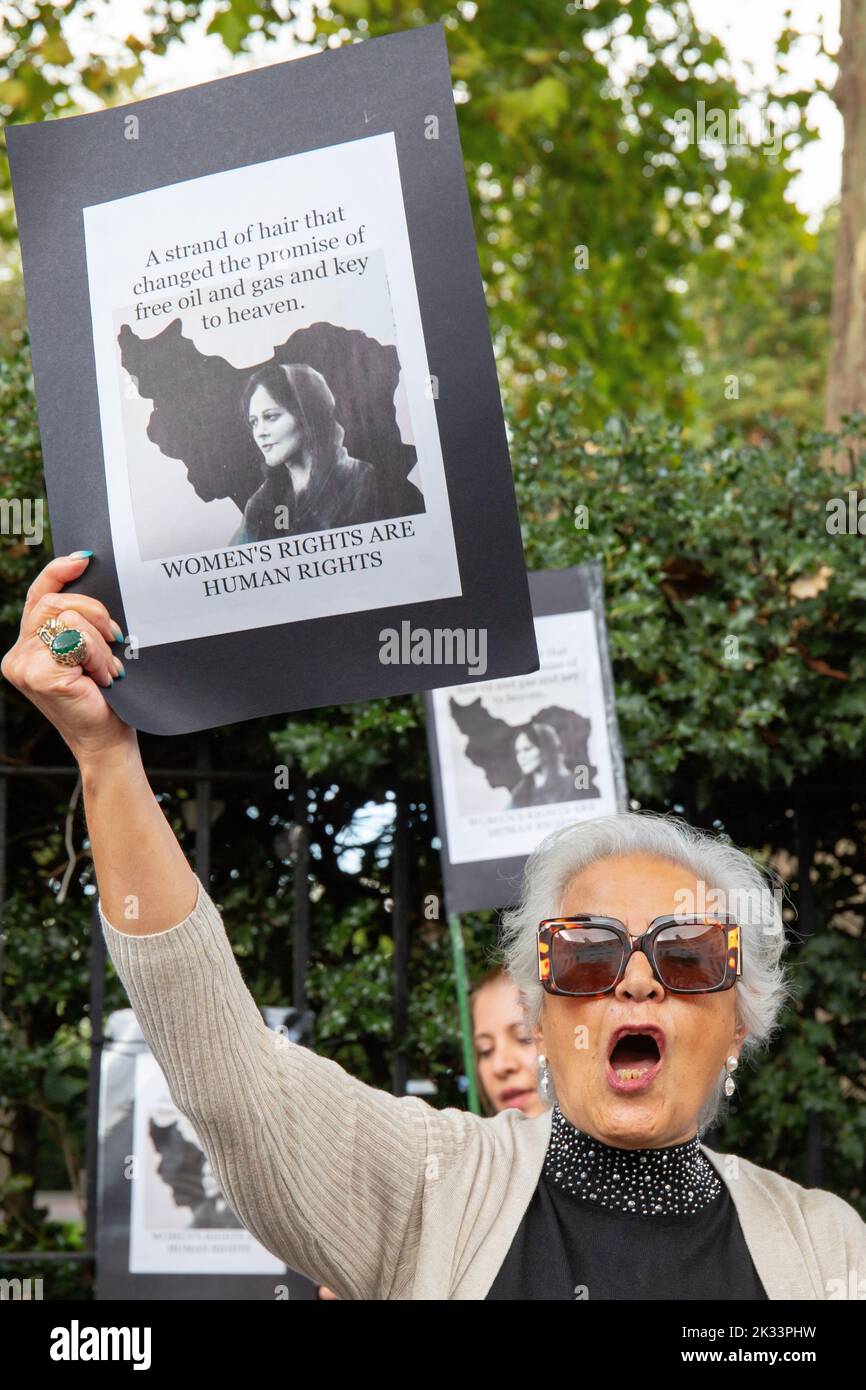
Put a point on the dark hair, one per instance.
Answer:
(546, 740)
(304, 392)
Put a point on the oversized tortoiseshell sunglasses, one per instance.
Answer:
(588, 955)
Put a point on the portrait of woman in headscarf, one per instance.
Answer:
(545, 776)
(310, 481)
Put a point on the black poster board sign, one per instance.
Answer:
(275, 268)
(513, 760)
(164, 1229)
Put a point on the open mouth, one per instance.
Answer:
(635, 1057)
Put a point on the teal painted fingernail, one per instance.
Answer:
(110, 681)
(81, 555)
(118, 634)
(122, 675)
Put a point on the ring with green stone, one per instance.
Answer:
(66, 644)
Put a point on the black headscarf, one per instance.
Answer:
(305, 392)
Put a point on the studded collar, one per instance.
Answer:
(677, 1180)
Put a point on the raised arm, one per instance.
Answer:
(327, 1172)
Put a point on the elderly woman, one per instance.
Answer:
(642, 1003)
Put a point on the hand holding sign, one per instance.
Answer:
(69, 695)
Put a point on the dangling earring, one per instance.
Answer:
(543, 1076)
(730, 1066)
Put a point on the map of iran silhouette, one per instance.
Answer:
(490, 742)
(197, 416)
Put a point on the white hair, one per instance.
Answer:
(722, 871)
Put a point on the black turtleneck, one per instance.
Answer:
(608, 1223)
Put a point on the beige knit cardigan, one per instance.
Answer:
(381, 1197)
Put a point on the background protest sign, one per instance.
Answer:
(272, 266)
(164, 1229)
(514, 759)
